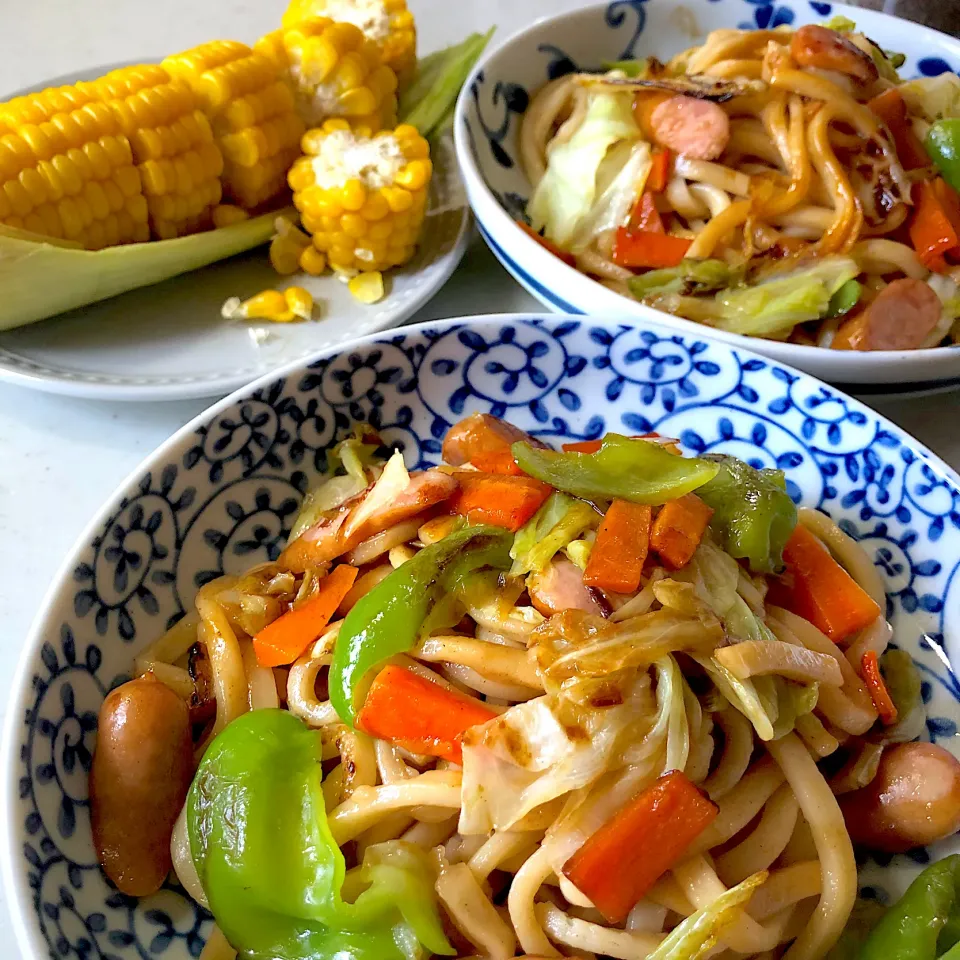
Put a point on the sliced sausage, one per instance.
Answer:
(825, 49)
(901, 317)
(913, 800)
(481, 439)
(693, 128)
(142, 768)
(326, 540)
(560, 587)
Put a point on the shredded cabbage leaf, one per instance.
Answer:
(698, 934)
(779, 302)
(556, 524)
(689, 277)
(933, 98)
(567, 191)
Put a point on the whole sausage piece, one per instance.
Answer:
(902, 316)
(141, 772)
(824, 49)
(913, 800)
(690, 127)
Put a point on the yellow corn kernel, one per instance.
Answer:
(287, 245)
(312, 261)
(293, 304)
(226, 215)
(353, 195)
(299, 301)
(415, 174)
(367, 287)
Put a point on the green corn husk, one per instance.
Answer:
(41, 276)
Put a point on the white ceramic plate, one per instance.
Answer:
(169, 342)
(498, 92)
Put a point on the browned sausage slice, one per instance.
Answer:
(560, 587)
(326, 540)
(825, 49)
(482, 434)
(913, 800)
(142, 768)
(693, 128)
(902, 316)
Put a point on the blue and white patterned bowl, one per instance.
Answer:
(222, 494)
(496, 96)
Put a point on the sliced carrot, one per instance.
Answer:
(645, 216)
(618, 554)
(891, 108)
(418, 714)
(284, 640)
(879, 694)
(504, 501)
(818, 589)
(660, 171)
(620, 862)
(548, 245)
(935, 227)
(679, 528)
(648, 249)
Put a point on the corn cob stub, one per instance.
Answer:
(172, 142)
(362, 197)
(388, 23)
(251, 111)
(335, 71)
(67, 171)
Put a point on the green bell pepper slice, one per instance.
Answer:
(624, 468)
(387, 620)
(753, 515)
(910, 928)
(271, 869)
(943, 146)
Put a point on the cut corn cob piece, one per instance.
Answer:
(335, 71)
(252, 114)
(388, 23)
(294, 303)
(69, 174)
(173, 146)
(362, 198)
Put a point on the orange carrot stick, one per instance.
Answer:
(818, 589)
(935, 226)
(648, 249)
(679, 528)
(618, 554)
(418, 714)
(282, 641)
(879, 694)
(504, 501)
(660, 171)
(891, 108)
(645, 216)
(568, 258)
(620, 862)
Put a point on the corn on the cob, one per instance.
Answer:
(388, 23)
(173, 146)
(67, 171)
(251, 110)
(362, 197)
(335, 71)
(294, 303)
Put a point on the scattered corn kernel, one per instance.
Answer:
(287, 246)
(226, 215)
(294, 303)
(367, 287)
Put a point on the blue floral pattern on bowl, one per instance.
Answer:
(223, 494)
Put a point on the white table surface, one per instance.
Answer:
(61, 458)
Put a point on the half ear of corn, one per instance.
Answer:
(335, 71)
(388, 23)
(365, 216)
(252, 114)
(172, 143)
(67, 171)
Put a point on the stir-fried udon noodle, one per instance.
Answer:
(774, 183)
(604, 701)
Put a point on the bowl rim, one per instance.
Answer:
(17, 892)
(494, 219)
